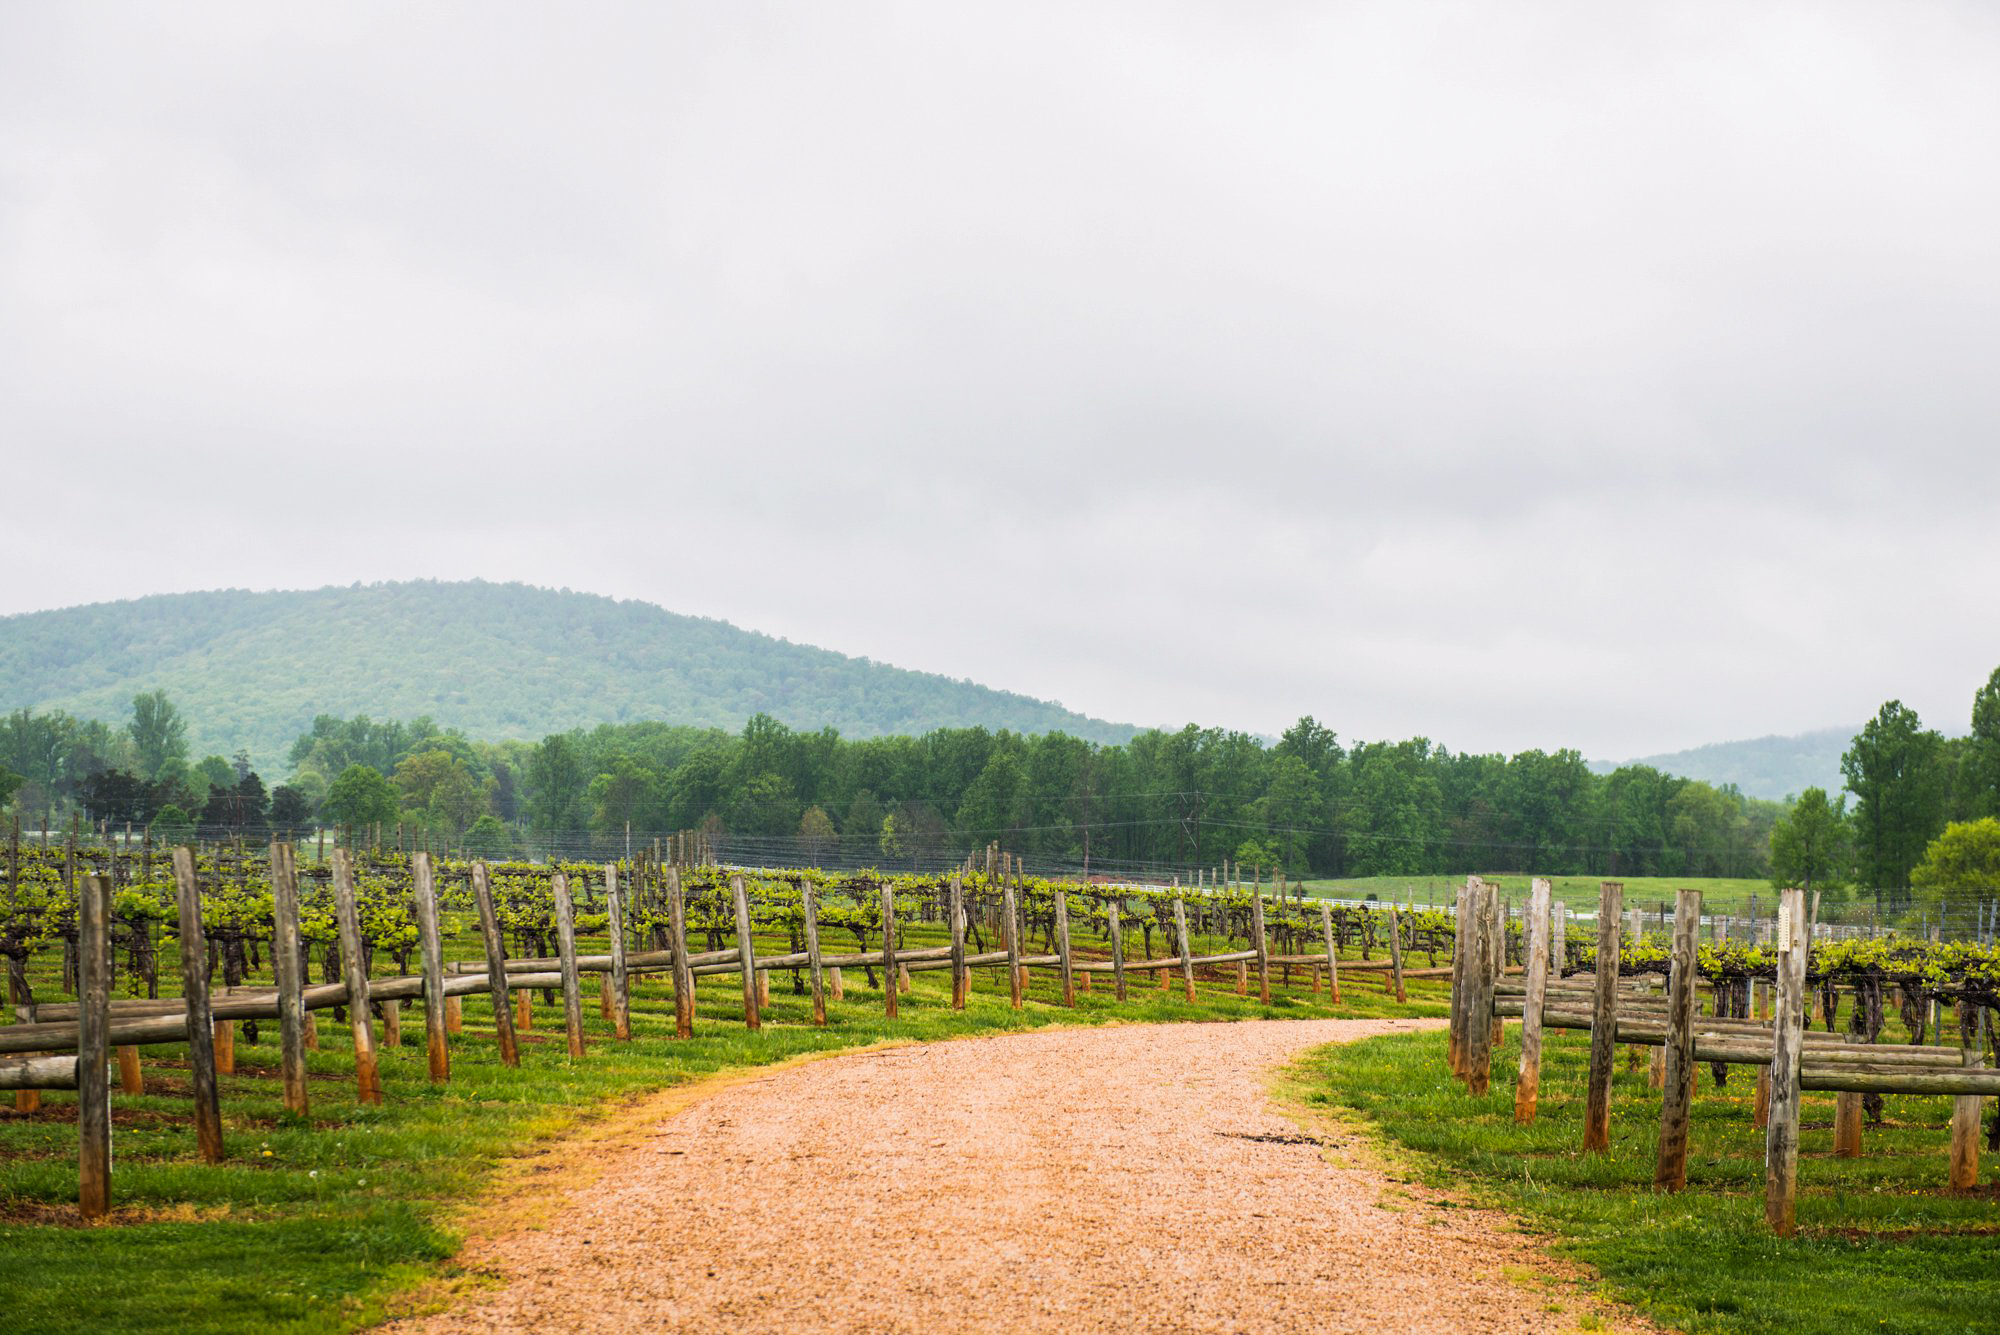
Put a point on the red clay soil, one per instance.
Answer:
(1130, 1178)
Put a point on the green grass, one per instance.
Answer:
(318, 1225)
(1881, 1245)
(1719, 894)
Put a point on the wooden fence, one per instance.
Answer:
(1790, 1058)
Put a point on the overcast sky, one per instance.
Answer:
(1616, 376)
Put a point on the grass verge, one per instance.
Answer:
(1882, 1246)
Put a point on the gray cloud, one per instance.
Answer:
(1564, 374)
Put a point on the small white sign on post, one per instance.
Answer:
(1785, 941)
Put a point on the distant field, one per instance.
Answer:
(1720, 894)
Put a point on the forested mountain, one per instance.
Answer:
(1773, 767)
(250, 671)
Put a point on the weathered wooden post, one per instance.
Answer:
(683, 971)
(1558, 939)
(430, 946)
(286, 968)
(354, 967)
(1062, 949)
(1527, 1087)
(1677, 1097)
(1396, 951)
(889, 988)
(93, 1049)
(200, 1025)
(1187, 952)
(1010, 927)
(621, 976)
(1760, 1105)
(572, 985)
(961, 977)
(809, 911)
(746, 954)
(1482, 970)
(1464, 935)
(1260, 945)
(1603, 1021)
(496, 967)
(1333, 955)
(1964, 1172)
(1781, 1136)
(1496, 944)
(1117, 932)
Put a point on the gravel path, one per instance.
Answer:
(1126, 1178)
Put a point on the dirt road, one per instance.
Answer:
(1132, 1178)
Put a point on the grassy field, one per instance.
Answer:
(1881, 1247)
(319, 1225)
(1718, 894)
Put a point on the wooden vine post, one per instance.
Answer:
(1261, 945)
(1464, 936)
(1781, 1134)
(1603, 1021)
(683, 971)
(287, 968)
(1396, 951)
(93, 1049)
(1116, 931)
(200, 1024)
(430, 948)
(961, 977)
(621, 976)
(1062, 948)
(889, 988)
(1332, 954)
(1010, 927)
(1527, 1087)
(496, 967)
(1187, 952)
(1677, 1096)
(1964, 1172)
(572, 985)
(1558, 939)
(815, 971)
(746, 954)
(1481, 971)
(354, 968)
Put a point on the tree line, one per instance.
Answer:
(1309, 804)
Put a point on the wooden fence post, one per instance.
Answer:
(1964, 1170)
(1332, 954)
(200, 1024)
(1261, 945)
(93, 1049)
(1463, 936)
(1781, 1135)
(1527, 1087)
(1847, 1110)
(1677, 1098)
(572, 985)
(683, 971)
(961, 977)
(1187, 951)
(286, 968)
(621, 977)
(367, 1075)
(1482, 970)
(1062, 948)
(1117, 932)
(1396, 951)
(430, 946)
(809, 910)
(1010, 928)
(1558, 939)
(746, 954)
(1603, 1021)
(130, 1079)
(496, 967)
(889, 988)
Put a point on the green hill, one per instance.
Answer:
(251, 670)
(1773, 767)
